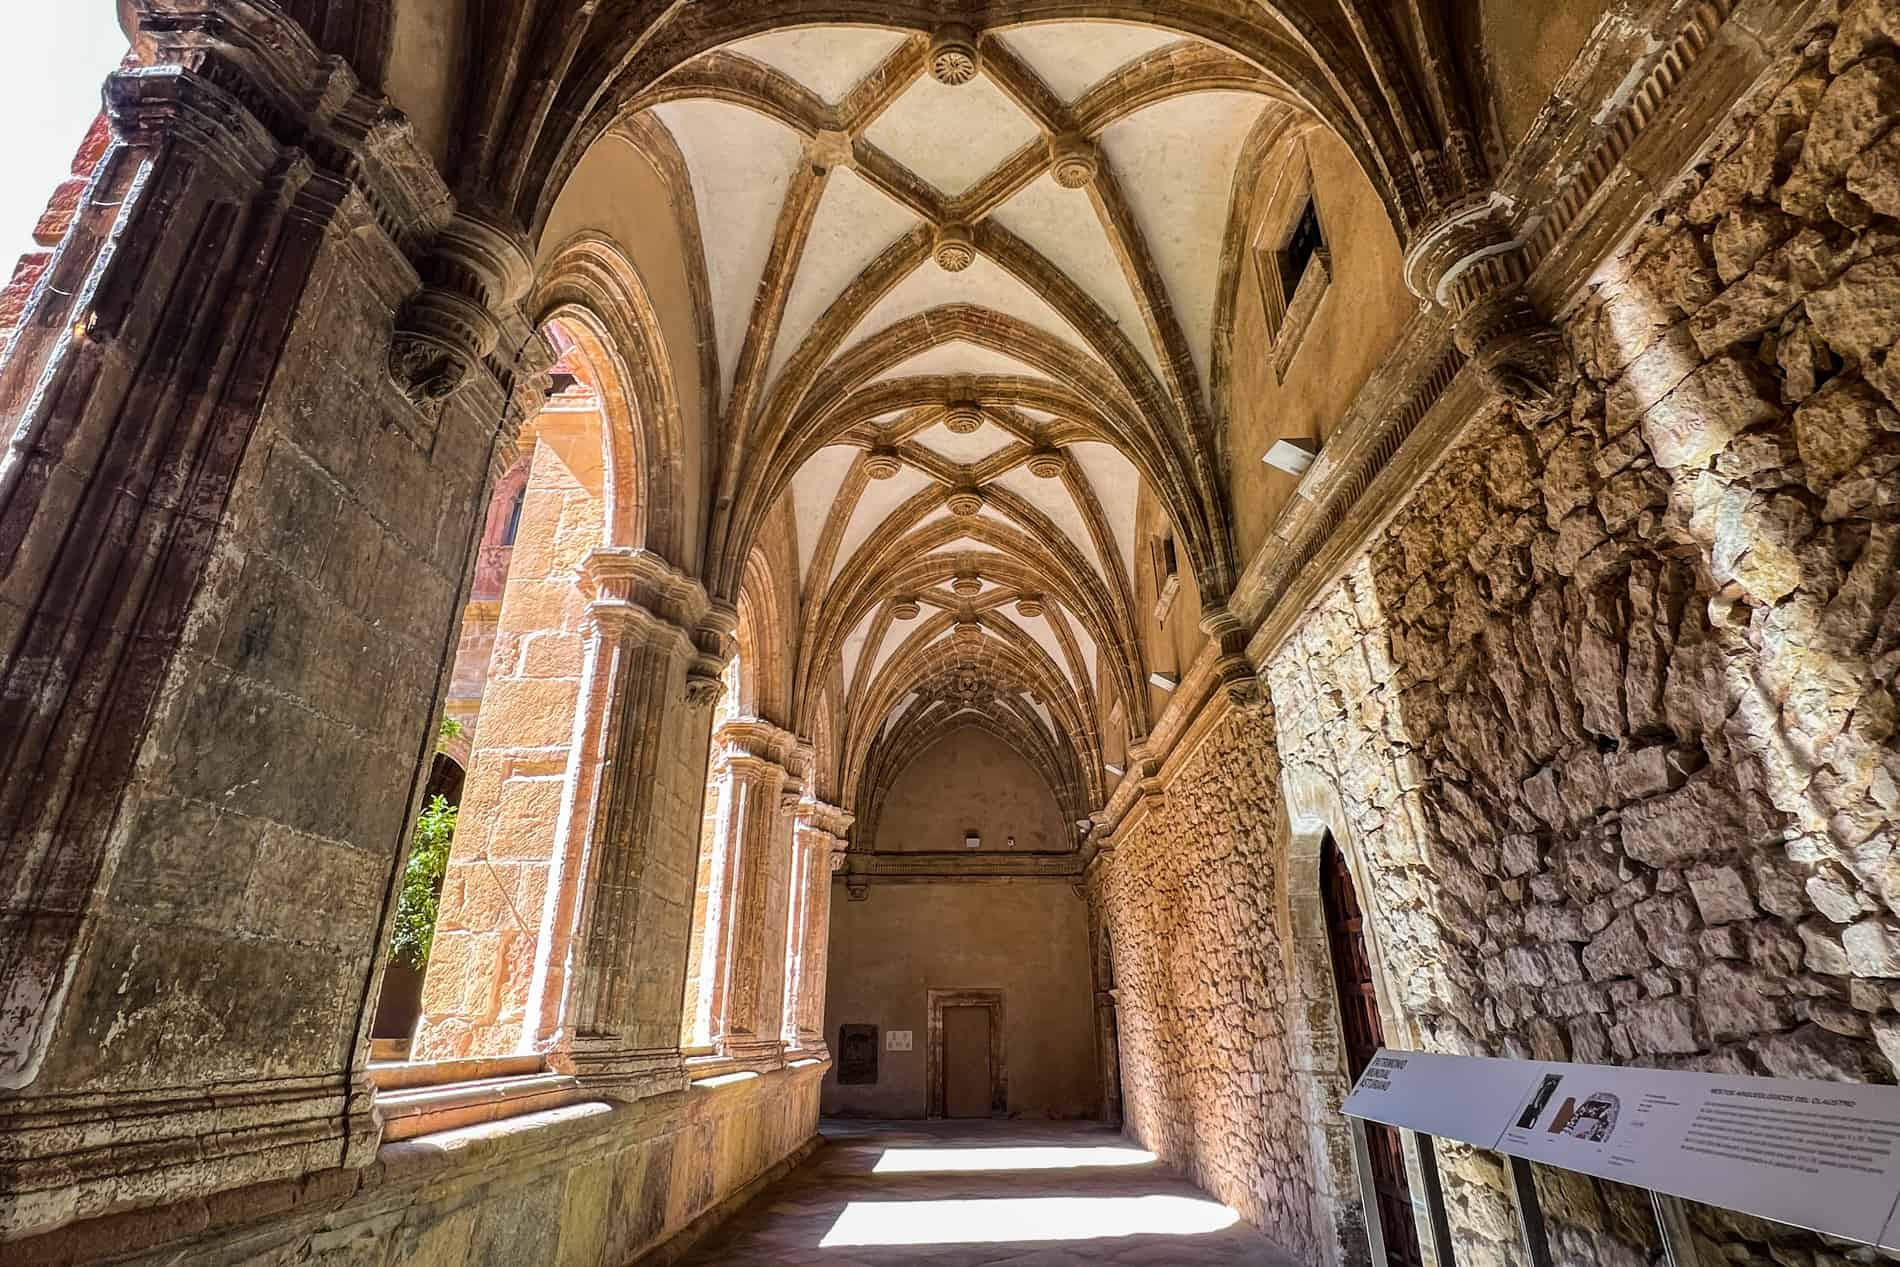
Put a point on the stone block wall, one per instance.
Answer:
(1611, 713)
(590, 1185)
(1188, 895)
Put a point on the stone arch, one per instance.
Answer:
(595, 294)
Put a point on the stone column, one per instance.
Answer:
(750, 999)
(234, 537)
(625, 891)
(819, 832)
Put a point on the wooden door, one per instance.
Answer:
(1365, 1034)
(966, 1062)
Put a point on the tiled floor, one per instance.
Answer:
(958, 1194)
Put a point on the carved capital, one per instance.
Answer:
(703, 689)
(1469, 263)
(474, 277)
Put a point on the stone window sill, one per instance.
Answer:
(1299, 313)
(430, 1097)
(1164, 603)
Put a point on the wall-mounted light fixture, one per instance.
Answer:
(972, 841)
(1292, 456)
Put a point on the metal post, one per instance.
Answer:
(1530, 1213)
(1368, 1194)
(1672, 1220)
(1434, 1193)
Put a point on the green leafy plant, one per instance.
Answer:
(449, 731)
(422, 884)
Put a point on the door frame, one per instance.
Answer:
(936, 1002)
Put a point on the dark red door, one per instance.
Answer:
(1359, 1014)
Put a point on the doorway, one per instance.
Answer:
(966, 1062)
(1365, 1034)
(964, 1071)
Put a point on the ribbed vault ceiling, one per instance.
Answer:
(965, 300)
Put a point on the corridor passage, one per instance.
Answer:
(959, 1194)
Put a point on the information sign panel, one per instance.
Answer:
(1820, 1155)
(1469, 1098)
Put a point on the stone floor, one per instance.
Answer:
(958, 1194)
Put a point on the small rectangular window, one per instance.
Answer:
(1299, 250)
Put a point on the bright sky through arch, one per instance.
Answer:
(62, 52)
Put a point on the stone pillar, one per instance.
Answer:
(819, 834)
(625, 890)
(233, 548)
(750, 1000)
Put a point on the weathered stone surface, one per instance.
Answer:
(1709, 408)
(1720, 895)
(1189, 896)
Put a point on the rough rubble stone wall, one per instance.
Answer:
(1611, 712)
(1188, 895)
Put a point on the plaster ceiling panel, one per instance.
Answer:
(1182, 207)
(1062, 225)
(959, 357)
(854, 647)
(741, 164)
(893, 639)
(1073, 57)
(1037, 627)
(1053, 500)
(983, 284)
(853, 225)
(958, 546)
(966, 450)
(829, 60)
(814, 492)
(1042, 711)
(952, 136)
(1117, 486)
(880, 498)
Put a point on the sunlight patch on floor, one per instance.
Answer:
(923, 1161)
(1023, 1219)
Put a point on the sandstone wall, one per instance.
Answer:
(584, 1186)
(1610, 714)
(1029, 941)
(970, 781)
(1188, 896)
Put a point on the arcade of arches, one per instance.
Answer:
(1045, 560)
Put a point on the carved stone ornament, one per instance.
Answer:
(1029, 605)
(906, 609)
(427, 370)
(881, 464)
(1469, 264)
(966, 587)
(473, 273)
(953, 55)
(703, 690)
(1047, 464)
(1072, 160)
(964, 502)
(955, 249)
(963, 417)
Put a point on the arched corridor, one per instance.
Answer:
(587, 584)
